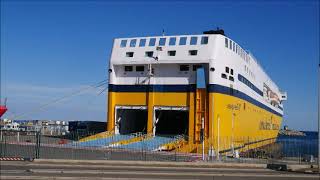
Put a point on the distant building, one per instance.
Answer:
(11, 126)
(54, 127)
(87, 126)
(45, 127)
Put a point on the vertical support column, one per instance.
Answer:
(150, 98)
(111, 112)
(191, 117)
(199, 114)
(206, 115)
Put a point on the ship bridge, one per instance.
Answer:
(163, 49)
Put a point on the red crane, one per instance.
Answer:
(3, 108)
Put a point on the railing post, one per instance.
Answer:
(36, 145)
(175, 154)
(37, 156)
(4, 148)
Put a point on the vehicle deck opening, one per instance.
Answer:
(171, 122)
(131, 121)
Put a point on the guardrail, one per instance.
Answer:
(141, 146)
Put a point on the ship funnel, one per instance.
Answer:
(217, 31)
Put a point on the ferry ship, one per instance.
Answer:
(206, 88)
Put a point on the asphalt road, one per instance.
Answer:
(82, 170)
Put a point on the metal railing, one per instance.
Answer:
(148, 148)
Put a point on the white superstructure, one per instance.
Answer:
(227, 62)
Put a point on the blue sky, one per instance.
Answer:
(53, 48)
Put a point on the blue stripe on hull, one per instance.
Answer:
(226, 90)
(213, 88)
(152, 88)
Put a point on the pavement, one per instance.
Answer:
(104, 169)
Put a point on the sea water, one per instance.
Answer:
(299, 146)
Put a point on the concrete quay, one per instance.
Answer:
(104, 169)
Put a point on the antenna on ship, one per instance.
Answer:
(163, 32)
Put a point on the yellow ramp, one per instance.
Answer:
(97, 136)
(138, 137)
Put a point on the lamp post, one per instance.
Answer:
(232, 127)
(202, 134)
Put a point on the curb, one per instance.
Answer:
(299, 168)
(154, 163)
(15, 159)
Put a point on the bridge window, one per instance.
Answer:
(234, 46)
(171, 53)
(162, 41)
(142, 43)
(193, 40)
(172, 41)
(149, 54)
(226, 42)
(204, 40)
(231, 71)
(224, 76)
(193, 52)
(123, 43)
(139, 68)
(184, 67)
(183, 41)
(129, 54)
(128, 68)
(230, 45)
(195, 67)
(152, 42)
(227, 69)
(133, 43)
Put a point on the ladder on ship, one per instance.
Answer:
(200, 105)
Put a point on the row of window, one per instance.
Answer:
(183, 67)
(237, 49)
(228, 71)
(187, 67)
(130, 68)
(249, 72)
(162, 41)
(224, 76)
(249, 84)
(169, 53)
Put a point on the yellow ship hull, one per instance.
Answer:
(231, 120)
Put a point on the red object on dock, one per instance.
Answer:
(3, 109)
